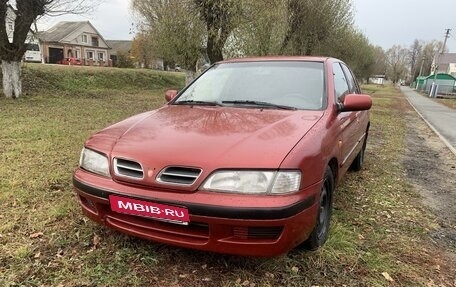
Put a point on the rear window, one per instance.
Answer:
(32, 47)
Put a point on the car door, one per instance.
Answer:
(348, 135)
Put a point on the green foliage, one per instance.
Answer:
(262, 30)
(312, 22)
(185, 31)
(124, 60)
(90, 80)
(175, 28)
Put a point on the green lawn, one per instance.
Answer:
(378, 225)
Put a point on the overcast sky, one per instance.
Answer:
(384, 22)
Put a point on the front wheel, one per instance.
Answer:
(358, 162)
(320, 233)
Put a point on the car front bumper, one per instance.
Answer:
(257, 226)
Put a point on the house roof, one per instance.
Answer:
(59, 31)
(441, 76)
(62, 30)
(119, 45)
(447, 58)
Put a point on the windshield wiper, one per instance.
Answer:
(198, 103)
(260, 104)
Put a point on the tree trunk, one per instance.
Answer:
(12, 83)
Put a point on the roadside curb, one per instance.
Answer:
(444, 140)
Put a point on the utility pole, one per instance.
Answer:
(447, 35)
(434, 87)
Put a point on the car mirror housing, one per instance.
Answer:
(170, 95)
(356, 102)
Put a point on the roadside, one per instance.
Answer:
(431, 168)
(439, 117)
(451, 103)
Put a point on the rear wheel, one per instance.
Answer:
(320, 233)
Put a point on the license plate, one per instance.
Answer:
(144, 208)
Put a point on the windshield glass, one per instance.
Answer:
(287, 84)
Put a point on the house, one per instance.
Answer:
(33, 53)
(377, 79)
(119, 47)
(77, 40)
(445, 83)
(446, 63)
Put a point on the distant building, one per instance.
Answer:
(119, 47)
(377, 79)
(33, 53)
(445, 63)
(74, 42)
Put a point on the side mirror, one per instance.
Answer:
(170, 95)
(355, 102)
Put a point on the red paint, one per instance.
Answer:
(225, 137)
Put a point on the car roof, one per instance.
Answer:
(276, 58)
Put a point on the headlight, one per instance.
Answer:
(94, 162)
(254, 182)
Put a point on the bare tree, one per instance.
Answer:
(397, 66)
(26, 13)
(415, 58)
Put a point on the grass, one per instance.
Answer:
(378, 224)
(451, 103)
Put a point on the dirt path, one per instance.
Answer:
(431, 168)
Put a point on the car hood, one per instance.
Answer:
(207, 137)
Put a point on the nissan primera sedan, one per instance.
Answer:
(243, 161)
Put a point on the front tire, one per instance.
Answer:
(320, 233)
(358, 162)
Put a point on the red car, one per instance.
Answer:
(69, 61)
(243, 161)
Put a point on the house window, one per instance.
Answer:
(100, 56)
(95, 41)
(84, 38)
(76, 54)
(90, 55)
(10, 25)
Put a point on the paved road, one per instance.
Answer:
(440, 118)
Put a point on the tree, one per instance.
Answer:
(415, 58)
(313, 21)
(260, 31)
(396, 59)
(26, 13)
(142, 49)
(220, 17)
(174, 30)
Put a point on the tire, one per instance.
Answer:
(320, 233)
(358, 162)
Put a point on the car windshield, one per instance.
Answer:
(275, 84)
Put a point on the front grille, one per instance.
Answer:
(128, 168)
(179, 175)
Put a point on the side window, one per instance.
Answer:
(352, 83)
(340, 82)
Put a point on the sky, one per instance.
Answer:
(400, 22)
(385, 22)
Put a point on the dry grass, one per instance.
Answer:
(451, 103)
